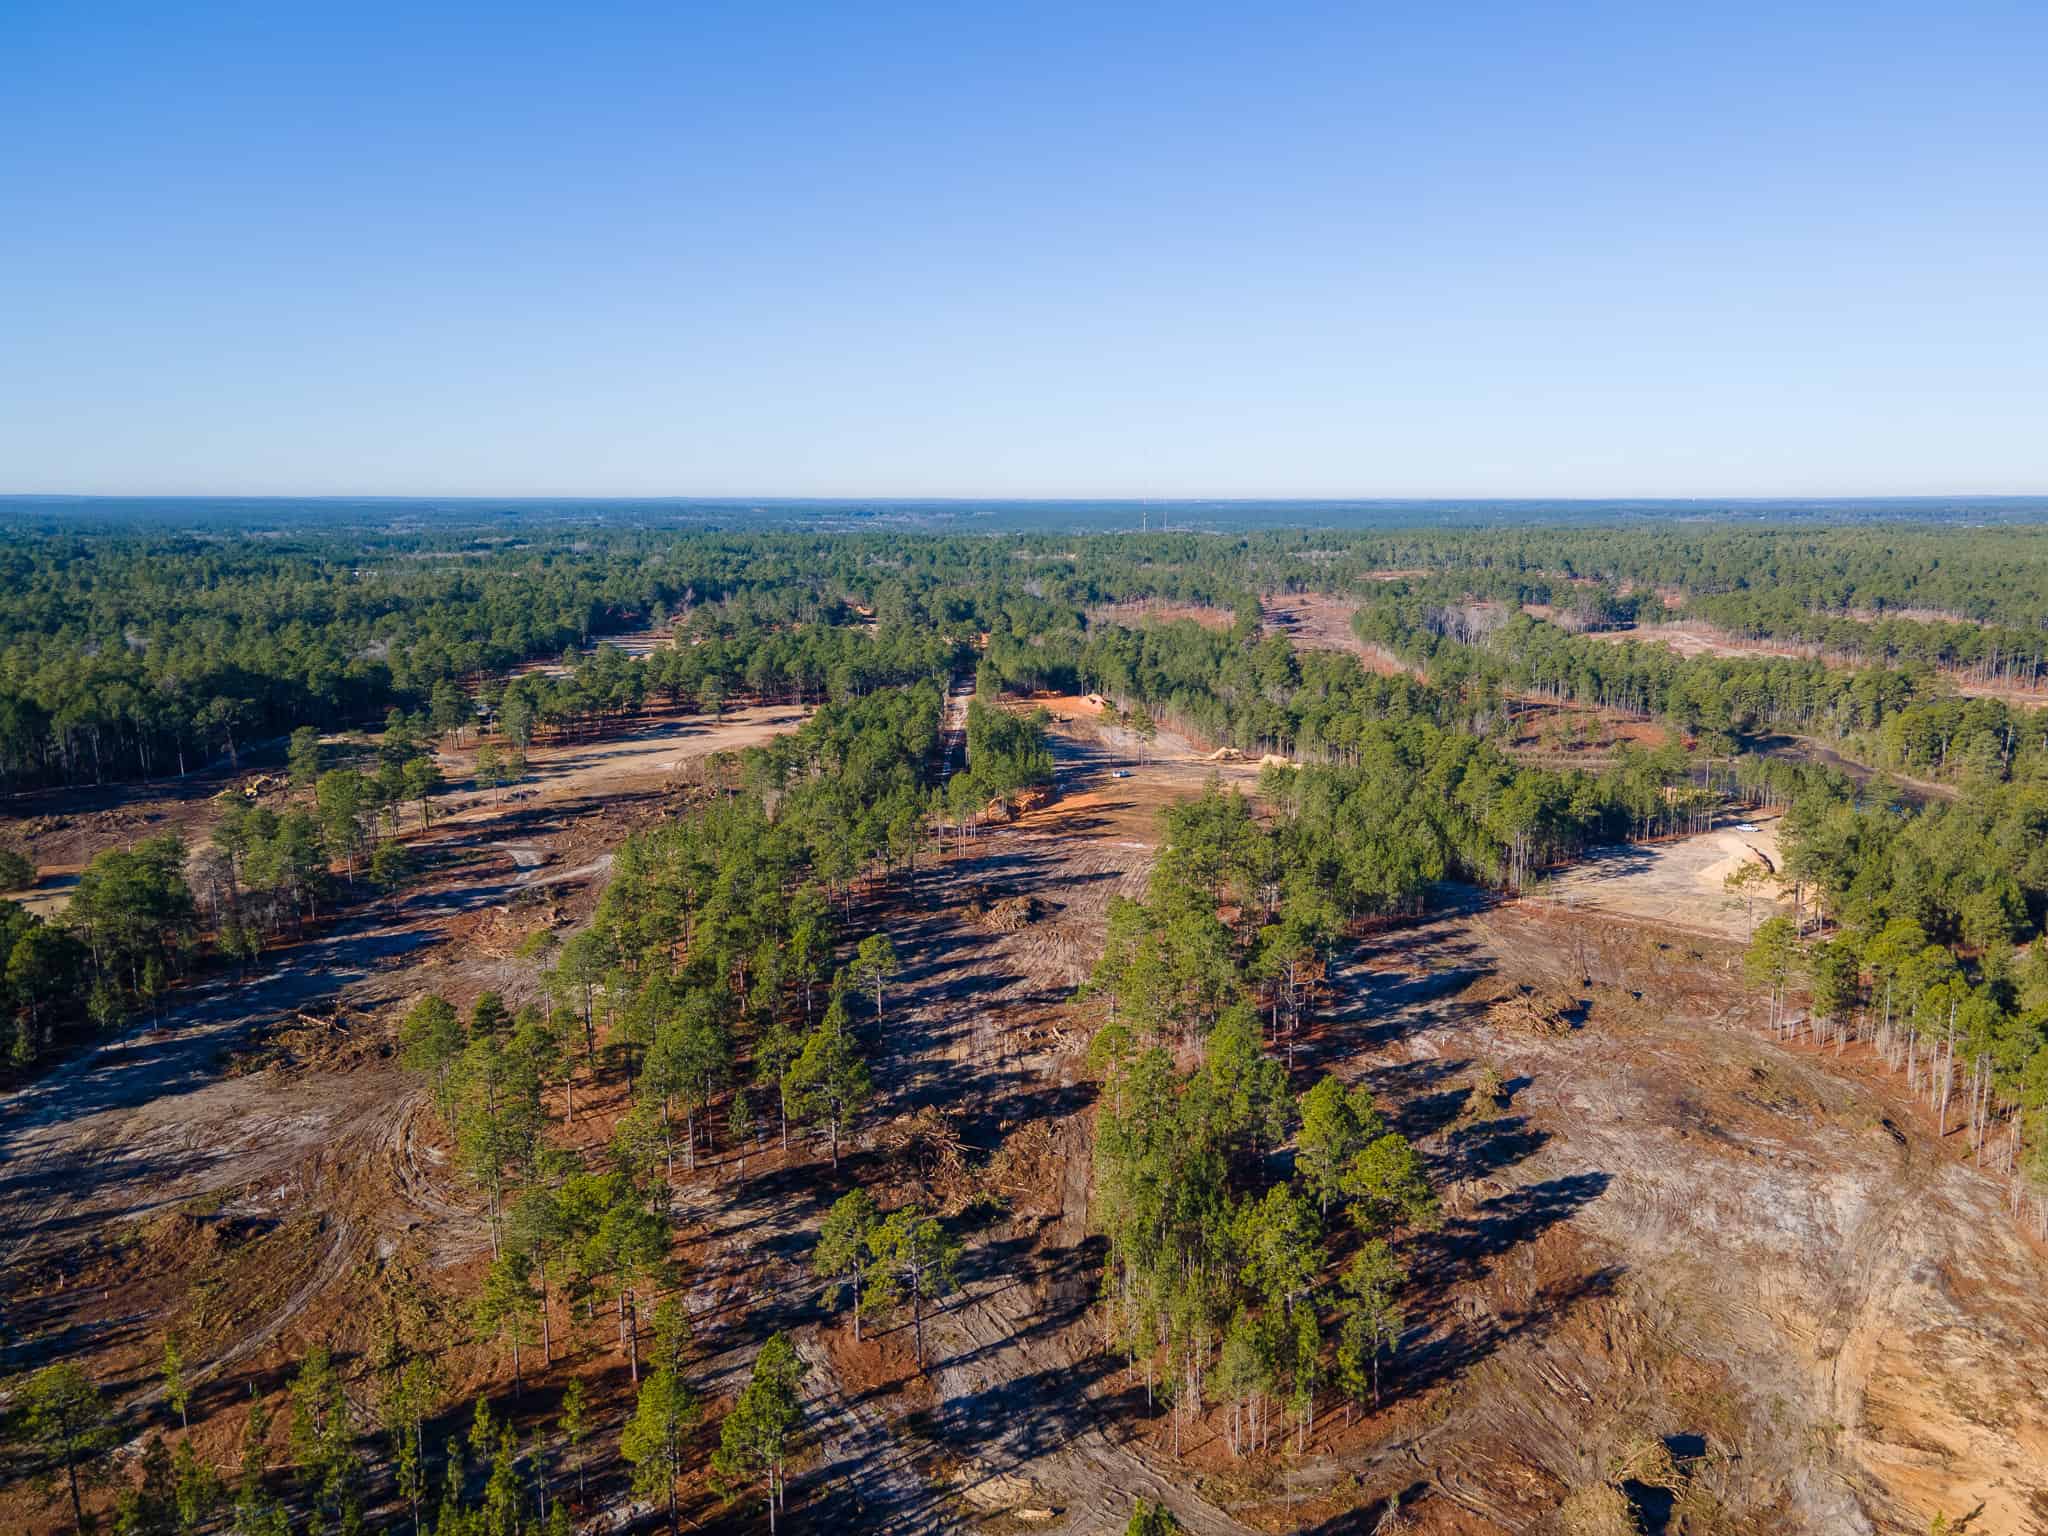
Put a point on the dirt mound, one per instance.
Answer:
(1598, 1509)
(500, 931)
(183, 1237)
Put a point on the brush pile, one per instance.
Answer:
(1526, 1011)
(986, 908)
(926, 1144)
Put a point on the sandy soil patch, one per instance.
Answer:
(63, 829)
(1694, 639)
(1677, 883)
(643, 755)
(1576, 737)
(637, 643)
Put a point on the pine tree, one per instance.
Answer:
(844, 1253)
(1372, 1317)
(916, 1258)
(575, 1427)
(64, 1419)
(323, 1441)
(430, 1043)
(875, 962)
(829, 1079)
(662, 1414)
(754, 1439)
(177, 1391)
(506, 1303)
(1336, 1124)
(1387, 1184)
(257, 1512)
(302, 757)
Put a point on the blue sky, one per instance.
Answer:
(1370, 250)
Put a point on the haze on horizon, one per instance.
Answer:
(799, 250)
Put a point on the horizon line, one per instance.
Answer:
(1012, 499)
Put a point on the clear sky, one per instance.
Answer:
(1030, 249)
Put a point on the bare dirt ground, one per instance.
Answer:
(1132, 614)
(1675, 884)
(310, 1151)
(1671, 1227)
(646, 754)
(1691, 638)
(63, 829)
(1677, 1228)
(636, 643)
(1674, 1227)
(1319, 622)
(1570, 736)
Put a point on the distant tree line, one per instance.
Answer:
(1905, 719)
(144, 652)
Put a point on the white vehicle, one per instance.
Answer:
(1745, 826)
(1119, 773)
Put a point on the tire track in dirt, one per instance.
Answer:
(881, 1488)
(1012, 1361)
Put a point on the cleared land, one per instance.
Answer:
(1691, 638)
(1671, 1226)
(1134, 614)
(1677, 883)
(1677, 1227)
(254, 1169)
(62, 829)
(1651, 1149)
(1319, 622)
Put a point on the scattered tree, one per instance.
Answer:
(754, 1439)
